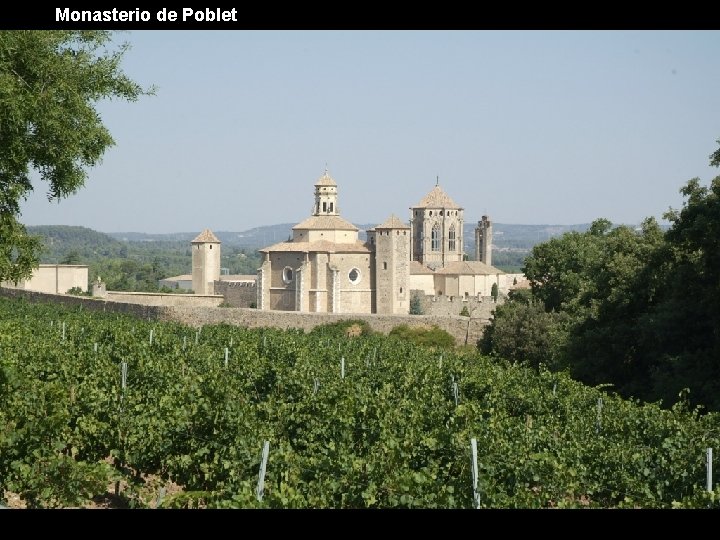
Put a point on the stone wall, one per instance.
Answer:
(443, 306)
(92, 304)
(237, 294)
(463, 329)
(458, 327)
(169, 300)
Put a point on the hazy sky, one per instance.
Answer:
(533, 127)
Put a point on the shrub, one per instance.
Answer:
(345, 328)
(431, 337)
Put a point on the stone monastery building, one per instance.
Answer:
(326, 268)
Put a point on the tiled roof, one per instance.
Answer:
(323, 246)
(469, 268)
(184, 277)
(393, 222)
(418, 269)
(206, 236)
(326, 223)
(437, 198)
(326, 180)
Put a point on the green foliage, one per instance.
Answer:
(416, 303)
(73, 257)
(50, 83)
(388, 434)
(642, 308)
(464, 312)
(77, 291)
(428, 337)
(715, 157)
(344, 328)
(522, 331)
(494, 292)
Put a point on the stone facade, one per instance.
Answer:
(392, 260)
(324, 268)
(436, 224)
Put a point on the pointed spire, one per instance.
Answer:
(437, 180)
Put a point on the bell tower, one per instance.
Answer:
(326, 196)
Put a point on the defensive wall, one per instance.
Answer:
(463, 329)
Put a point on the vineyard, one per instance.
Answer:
(91, 403)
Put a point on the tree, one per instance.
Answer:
(50, 83)
(73, 257)
(415, 304)
(715, 157)
(494, 292)
(522, 331)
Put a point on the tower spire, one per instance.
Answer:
(437, 180)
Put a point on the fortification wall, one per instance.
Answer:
(237, 294)
(92, 304)
(443, 306)
(458, 327)
(463, 329)
(168, 300)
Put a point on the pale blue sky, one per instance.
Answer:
(533, 127)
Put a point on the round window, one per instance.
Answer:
(287, 275)
(354, 276)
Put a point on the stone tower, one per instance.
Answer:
(326, 196)
(436, 228)
(392, 266)
(483, 241)
(205, 262)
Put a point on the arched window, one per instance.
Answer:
(435, 238)
(451, 238)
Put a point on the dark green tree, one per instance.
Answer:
(715, 157)
(522, 331)
(494, 292)
(50, 84)
(415, 304)
(72, 257)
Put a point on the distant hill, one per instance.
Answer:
(506, 236)
(87, 244)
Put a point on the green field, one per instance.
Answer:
(391, 433)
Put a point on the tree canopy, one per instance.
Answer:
(640, 308)
(50, 84)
